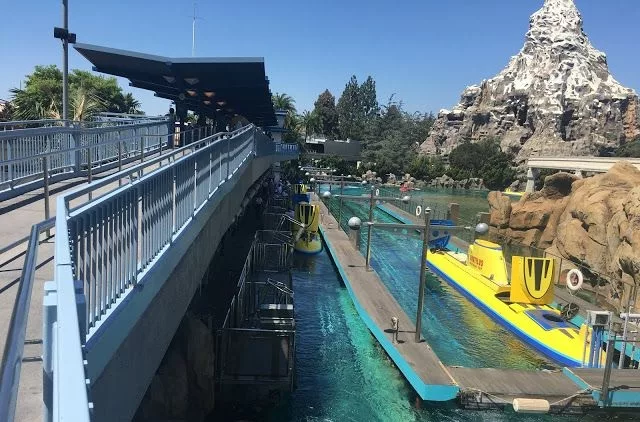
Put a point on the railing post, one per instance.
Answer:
(119, 159)
(48, 320)
(195, 186)
(141, 148)
(89, 168)
(606, 379)
(423, 273)
(10, 157)
(228, 156)
(45, 180)
(371, 205)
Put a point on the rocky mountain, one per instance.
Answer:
(556, 97)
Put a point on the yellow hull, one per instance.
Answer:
(540, 326)
(310, 247)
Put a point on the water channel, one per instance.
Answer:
(344, 375)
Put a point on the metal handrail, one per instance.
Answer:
(14, 346)
(83, 190)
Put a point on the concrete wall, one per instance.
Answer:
(124, 358)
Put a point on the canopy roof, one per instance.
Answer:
(228, 85)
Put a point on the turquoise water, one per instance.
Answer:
(342, 373)
(459, 333)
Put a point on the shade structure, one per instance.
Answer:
(210, 86)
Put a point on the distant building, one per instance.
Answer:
(349, 150)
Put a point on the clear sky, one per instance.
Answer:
(423, 51)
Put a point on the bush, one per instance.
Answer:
(630, 149)
(484, 160)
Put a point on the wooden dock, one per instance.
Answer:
(376, 306)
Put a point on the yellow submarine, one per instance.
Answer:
(510, 192)
(520, 303)
(309, 241)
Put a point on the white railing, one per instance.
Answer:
(28, 156)
(110, 242)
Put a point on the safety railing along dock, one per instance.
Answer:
(111, 242)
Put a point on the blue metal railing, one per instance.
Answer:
(110, 242)
(28, 155)
(13, 348)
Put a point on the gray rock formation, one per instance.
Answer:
(556, 97)
(594, 222)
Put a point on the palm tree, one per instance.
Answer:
(130, 105)
(82, 103)
(310, 122)
(284, 102)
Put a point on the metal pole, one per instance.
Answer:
(89, 165)
(65, 63)
(423, 272)
(119, 161)
(607, 369)
(340, 211)
(45, 176)
(371, 205)
(632, 295)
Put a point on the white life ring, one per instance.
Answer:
(574, 280)
(418, 211)
(377, 192)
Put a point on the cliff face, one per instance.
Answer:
(594, 221)
(556, 97)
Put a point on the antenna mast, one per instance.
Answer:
(193, 32)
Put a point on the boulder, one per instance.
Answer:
(593, 221)
(500, 210)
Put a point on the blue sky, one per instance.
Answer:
(423, 51)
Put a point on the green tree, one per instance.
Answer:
(130, 104)
(282, 101)
(341, 166)
(310, 123)
(484, 160)
(105, 89)
(42, 92)
(630, 149)
(6, 111)
(369, 98)
(350, 111)
(427, 168)
(88, 94)
(325, 109)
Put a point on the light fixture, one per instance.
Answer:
(170, 79)
(191, 92)
(191, 81)
(221, 103)
(207, 102)
(218, 109)
(209, 94)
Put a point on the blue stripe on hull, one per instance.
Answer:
(541, 348)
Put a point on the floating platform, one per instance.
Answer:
(376, 306)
